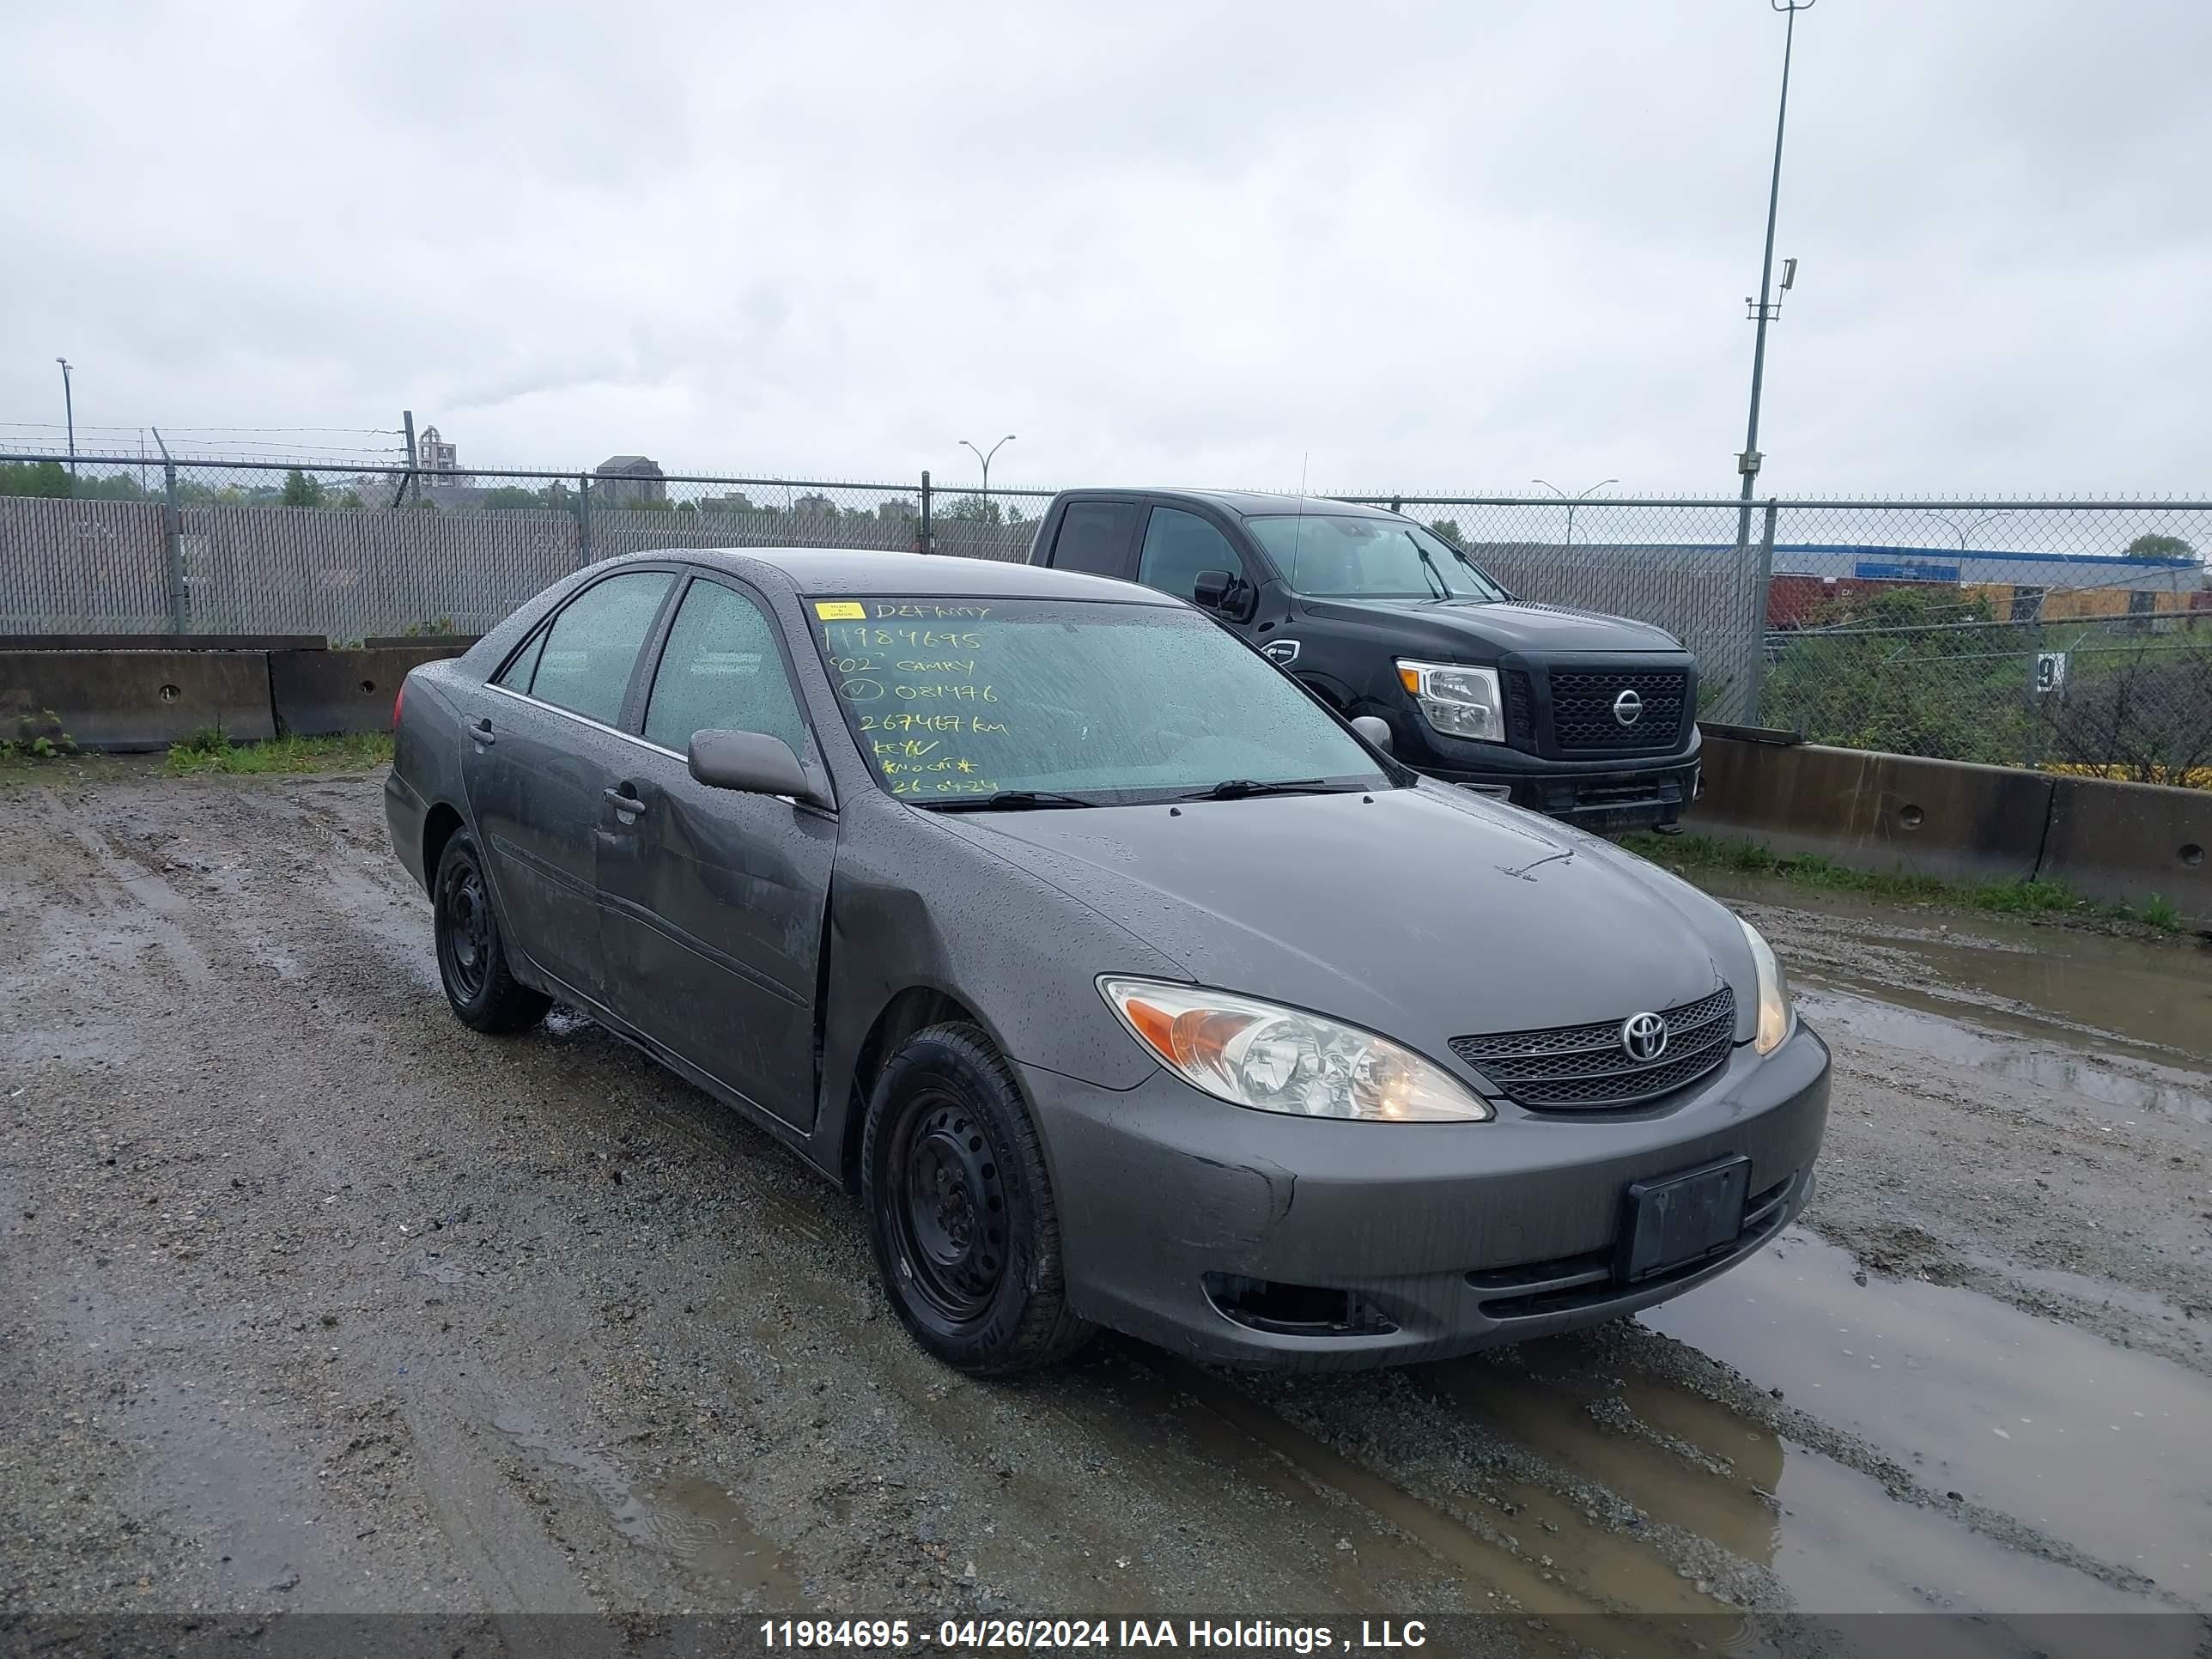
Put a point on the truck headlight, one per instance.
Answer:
(1458, 700)
(1277, 1059)
(1773, 992)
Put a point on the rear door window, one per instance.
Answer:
(1177, 546)
(584, 665)
(1095, 537)
(722, 670)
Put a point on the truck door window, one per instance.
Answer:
(1177, 546)
(1094, 537)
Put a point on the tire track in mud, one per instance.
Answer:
(666, 1309)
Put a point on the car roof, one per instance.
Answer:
(1245, 503)
(857, 570)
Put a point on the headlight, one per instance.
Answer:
(1277, 1060)
(1773, 992)
(1457, 700)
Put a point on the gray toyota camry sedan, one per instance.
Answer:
(1127, 984)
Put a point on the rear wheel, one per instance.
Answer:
(960, 1209)
(471, 956)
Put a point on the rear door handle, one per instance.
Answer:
(482, 731)
(624, 802)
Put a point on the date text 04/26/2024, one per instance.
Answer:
(853, 1635)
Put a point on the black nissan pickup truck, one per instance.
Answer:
(1588, 718)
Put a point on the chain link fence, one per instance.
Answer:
(2073, 634)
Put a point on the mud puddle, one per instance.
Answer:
(693, 1522)
(2059, 983)
(2126, 1084)
(2090, 1443)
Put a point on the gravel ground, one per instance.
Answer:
(317, 1300)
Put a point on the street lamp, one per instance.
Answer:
(69, 412)
(1964, 531)
(984, 456)
(1572, 502)
(1765, 309)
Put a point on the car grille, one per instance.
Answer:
(1520, 710)
(1583, 1068)
(1582, 708)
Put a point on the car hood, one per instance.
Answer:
(1423, 913)
(1504, 627)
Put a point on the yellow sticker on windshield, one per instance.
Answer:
(840, 611)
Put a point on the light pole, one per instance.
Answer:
(1964, 531)
(68, 413)
(1763, 309)
(984, 456)
(1573, 502)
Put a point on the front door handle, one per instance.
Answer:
(623, 802)
(481, 730)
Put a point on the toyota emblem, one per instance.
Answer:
(1628, 708)
(1644, 1037)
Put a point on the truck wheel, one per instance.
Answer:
(960, 1210)
(471, 956)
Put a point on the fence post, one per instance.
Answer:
(929, 541)
(583, 520)
(1755, 669)
(173, 540)
(1397, 503)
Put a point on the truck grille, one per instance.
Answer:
(1582, 708)
(1583, 1068)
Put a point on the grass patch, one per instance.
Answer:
(210, 750)
(2035, 899)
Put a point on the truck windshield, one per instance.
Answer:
(1330, 556)
(956, 701)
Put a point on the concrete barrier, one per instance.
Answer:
(1875, 812)
(164, 642)
(128, 700)
(450, 645)
(2122, 843)
(318, 693)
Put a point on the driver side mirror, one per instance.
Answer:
(1374, 729)
(751, 764)
(1223, 591)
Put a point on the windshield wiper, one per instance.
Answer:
(1006, 800)
(1238, 788)
(1444, 588)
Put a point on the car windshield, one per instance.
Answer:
(1329, 556)
(959, 700)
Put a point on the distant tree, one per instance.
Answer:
(974, 510)
(47, 478)
(2156, 546)
(1449, 529)
(300, 490)
(511, 495)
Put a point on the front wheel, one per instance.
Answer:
(471, 956)
(960, 1209)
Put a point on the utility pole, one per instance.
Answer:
(1573, 502)
(69, 413)
(407, 421)
(1765, 309)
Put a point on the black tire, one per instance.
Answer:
(471, 956)
(960, 1209)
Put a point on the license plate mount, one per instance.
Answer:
(1670, 1221)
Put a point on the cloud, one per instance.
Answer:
(1399, 246)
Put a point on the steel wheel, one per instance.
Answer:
(950, 1213)
(465, 931)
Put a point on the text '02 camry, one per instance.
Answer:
(1126, 984)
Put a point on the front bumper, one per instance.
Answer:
(1600, 795)
(1442, 1238)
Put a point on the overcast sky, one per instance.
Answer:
(1443, 246)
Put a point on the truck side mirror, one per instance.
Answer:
(1210, 589)
(1374, 729)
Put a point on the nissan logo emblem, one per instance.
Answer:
(1644, 1037)
(1628, 708)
